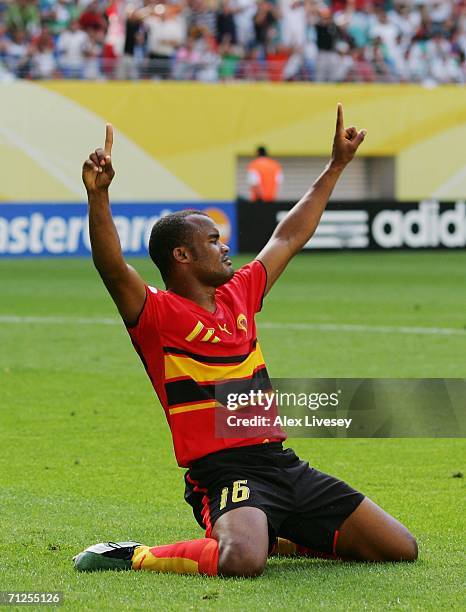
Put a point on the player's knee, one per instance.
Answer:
(409, 548)
(240, 559)
(404, 549)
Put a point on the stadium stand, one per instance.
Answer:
(390, 41)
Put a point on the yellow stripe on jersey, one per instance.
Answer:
(210, 332)
(196, 331)
(192, 407)
(179, 365)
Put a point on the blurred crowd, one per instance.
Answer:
(219, 40)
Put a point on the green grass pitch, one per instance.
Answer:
(85, 453)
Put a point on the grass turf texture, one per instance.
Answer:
(85, 453)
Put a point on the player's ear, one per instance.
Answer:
(182, 254)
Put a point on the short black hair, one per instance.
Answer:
(168, 233)
(261, 151)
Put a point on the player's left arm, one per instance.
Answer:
(301, 222)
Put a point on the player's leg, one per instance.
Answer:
(238, 547)
(243, 542)
(239, 512)
(371, 534)
(189, 557)
(368, 534)
(333, 520)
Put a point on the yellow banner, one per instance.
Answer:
(180, 141)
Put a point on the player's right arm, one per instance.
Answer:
(122, 281)
(292, 233)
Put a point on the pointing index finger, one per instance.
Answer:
(108, 139)
(340, 122)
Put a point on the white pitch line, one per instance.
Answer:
(7, 319)
(372, 329)
(325, 327)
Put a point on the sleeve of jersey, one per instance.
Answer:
(147, 323)
(250, 282)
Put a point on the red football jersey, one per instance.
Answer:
(193, 357)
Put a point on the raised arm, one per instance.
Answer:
(299, 225)
(122, 281)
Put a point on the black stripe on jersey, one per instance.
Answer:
(188, 390)
(142, 358)
(265, 285)
(171, 350)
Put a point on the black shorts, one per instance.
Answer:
(302, 504)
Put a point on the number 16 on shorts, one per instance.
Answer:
(239, 492)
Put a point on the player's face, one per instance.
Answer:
(211, 263)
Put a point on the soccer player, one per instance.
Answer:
(253, 497)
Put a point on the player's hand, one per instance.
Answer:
(98, 171)
(346, 141)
